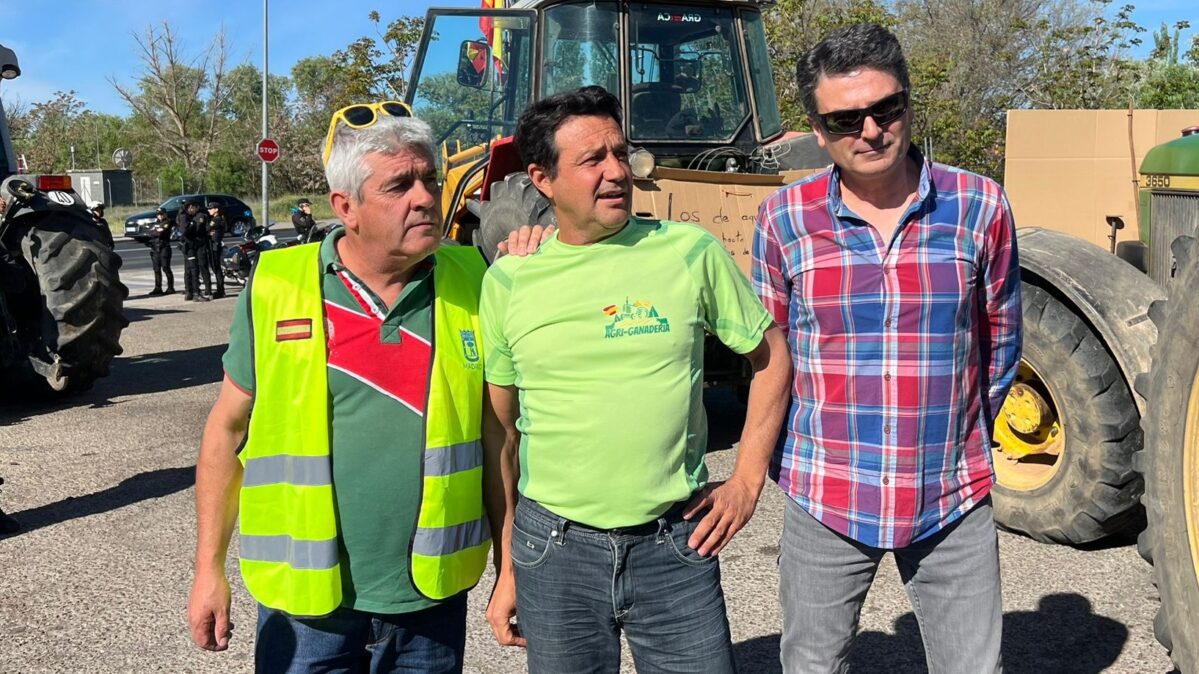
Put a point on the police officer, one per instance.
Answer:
(182, 221)
(303, 221)
(216, 232)
(160, 252)
(194, 226)
(96, 210)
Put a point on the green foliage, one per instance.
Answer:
(1166, 80)
(795, 26)
(194, 121)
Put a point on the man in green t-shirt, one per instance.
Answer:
(594, 360)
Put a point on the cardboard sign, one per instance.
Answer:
(725, 204)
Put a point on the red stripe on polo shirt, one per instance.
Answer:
(400, 371)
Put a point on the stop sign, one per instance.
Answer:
(268, 150)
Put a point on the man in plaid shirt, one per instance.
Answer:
(898, 284)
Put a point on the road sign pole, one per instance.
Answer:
(266, 213)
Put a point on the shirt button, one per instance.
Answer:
(887, 430)
(886, 376)
(887, 323)
(886, 480)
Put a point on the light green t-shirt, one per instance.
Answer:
(605, 344)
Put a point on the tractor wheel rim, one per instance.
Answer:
(1190, 474)
(1030, 436)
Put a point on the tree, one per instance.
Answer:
(179, 99)
(1167, 82)
(795, 26)
(45, 133)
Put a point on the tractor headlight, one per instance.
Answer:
(642, 162)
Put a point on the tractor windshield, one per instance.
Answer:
(473, 78)
(580, 48)
(687, 82)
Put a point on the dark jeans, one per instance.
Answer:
(160, 257)
(350, 641)
(577, 588)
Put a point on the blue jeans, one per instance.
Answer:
(951, 578)
(431, 640)
(577, 588)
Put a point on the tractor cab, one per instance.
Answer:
(693, 78)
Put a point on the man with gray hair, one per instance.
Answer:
(346, 432)
(898, 283)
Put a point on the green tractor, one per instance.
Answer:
(1170, 458)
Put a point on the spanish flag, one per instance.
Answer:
(296, 328)
(494, 34)
(610, 310)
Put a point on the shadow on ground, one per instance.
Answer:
(135, 314)
(726, 416)
(140, 487)
(1062, 635)
(130, 376)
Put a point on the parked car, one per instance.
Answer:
(237, 214)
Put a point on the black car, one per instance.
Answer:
(237, 215)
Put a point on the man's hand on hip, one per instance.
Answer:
(502, 608)
(208, 611)
(730, 504)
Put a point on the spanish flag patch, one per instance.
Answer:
(296, 328)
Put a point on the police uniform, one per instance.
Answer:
(195, 250)
(216, 232)
(160, 255)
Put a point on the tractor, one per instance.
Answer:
(1169, 459)
(61, 297)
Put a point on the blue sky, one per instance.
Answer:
(81, 43)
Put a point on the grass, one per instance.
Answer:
(280, 209)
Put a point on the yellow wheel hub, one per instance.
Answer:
(1029, 437)
(1190, 474)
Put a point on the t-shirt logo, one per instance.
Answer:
(637, 318)
(470, 348)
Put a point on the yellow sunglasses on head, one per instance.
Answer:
(360, 116)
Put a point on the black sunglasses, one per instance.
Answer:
(845, 122)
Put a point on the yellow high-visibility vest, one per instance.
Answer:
(289, 550)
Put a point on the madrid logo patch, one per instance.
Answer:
(636, 318)
(470, 347)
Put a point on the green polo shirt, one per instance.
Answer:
(606, 346)
(378, 380)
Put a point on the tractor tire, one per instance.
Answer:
(1170, 462)
(514, 203)
(82, 311)
(1076, 484)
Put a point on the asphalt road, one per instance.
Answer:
(98, 580)
(135, 257)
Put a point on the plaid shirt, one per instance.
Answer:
(903, 356)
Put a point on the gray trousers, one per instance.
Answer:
(952, 580)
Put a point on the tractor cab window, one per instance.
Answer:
(580, 48)
(473, 77)
(687, 81)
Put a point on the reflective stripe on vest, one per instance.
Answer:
(289, 546)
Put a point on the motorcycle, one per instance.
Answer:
(239, 259)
